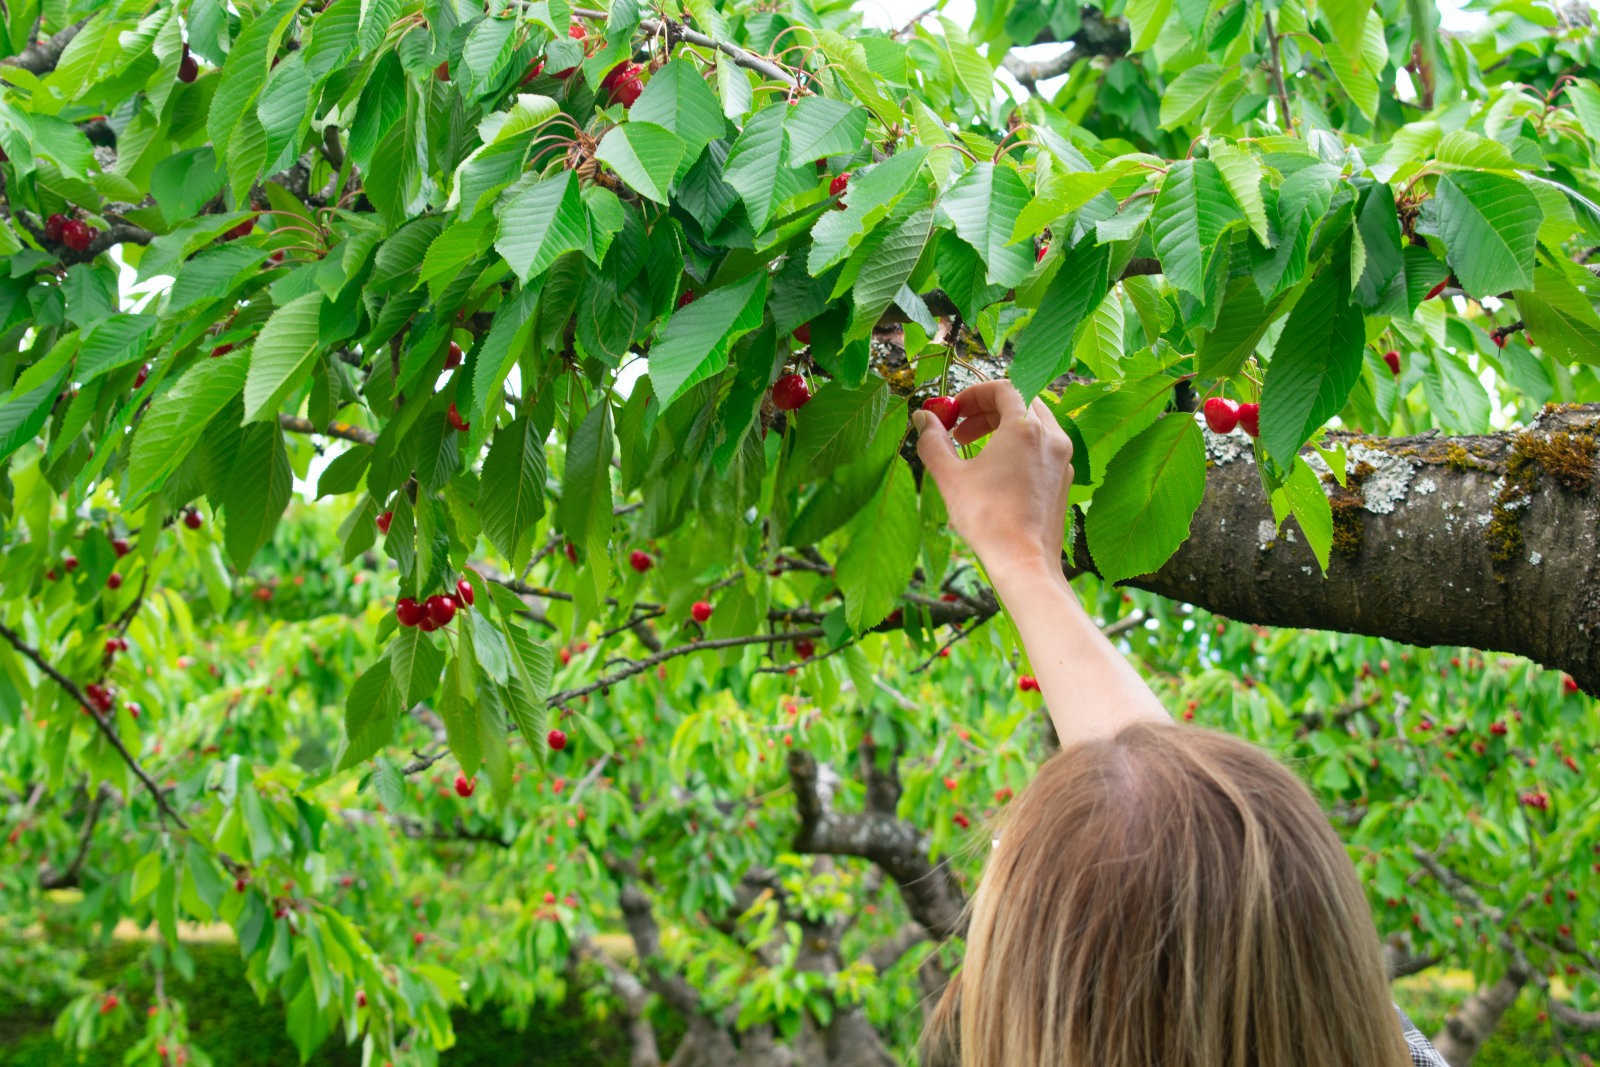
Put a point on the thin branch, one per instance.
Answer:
(678, 31)
(640, 666)
(342, 430)
(101, 723)
(1275, 65)
(41, 57)
(53, 879)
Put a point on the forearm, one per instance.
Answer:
(1091, 689)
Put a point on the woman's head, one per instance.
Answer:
(1169, 896)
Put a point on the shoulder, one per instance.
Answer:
(1423, 1054)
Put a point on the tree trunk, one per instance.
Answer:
(1472, 1023)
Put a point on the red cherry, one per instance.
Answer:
(1392, 358)
(264, 593)
(556, 739)
(111, 646)
(442, 71)
(789, 393)
(1039, 254)
(193, 519)
(361, 999)
(220, 351)
(1250, 419)
(76, 235)
(533, 72)
(409, 612)
(441, 609)
(133, 709)
(627, 91)
(1028, 684)
(839, 184)
(700, 611)
(465, 597)
(1499, 339)
(566, 656)
(114, 581)
(685, 298)
(950, 783)
(452, 358)
(143, 375)
(1497, 728)
(804, 648)
(945, 409)
(1002, 794)
(572, 553)
(241, 230)
(576, 31)
(455, 418)
(120, 546)
(384, 521)
(1222, 414)
(640, 561)
(50, 575)
(1569, 684)
(465, 785)
(109, 1005)
(418, 938)
(961, 820)
(53, 227)
(549, 897)
(1436, 290)
(70, 562)
(188, 69)
(802, 333)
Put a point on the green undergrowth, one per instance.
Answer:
(228, 1023)
(1522, 1039)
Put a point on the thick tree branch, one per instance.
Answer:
(635, 1001)
(742, 57)
(929, 890)
(1487, 541)
(42, 56)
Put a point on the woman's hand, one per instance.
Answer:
(1010, 502)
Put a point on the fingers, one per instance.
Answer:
(1047, 418)
(984, 407)
(938, 451)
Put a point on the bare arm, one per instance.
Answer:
(1010, 504)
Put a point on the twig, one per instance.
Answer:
(52, 879)
(640, 666)
(342, 430)
(678, 31)
(1275, 65)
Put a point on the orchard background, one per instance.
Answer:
(462, 549)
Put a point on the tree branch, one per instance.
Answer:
(342, 430)
(635, 1001)
(51, 878)
(101, 723)
(929, 890)
(41, 56)
(740, 56)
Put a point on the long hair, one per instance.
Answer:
(1168, 897)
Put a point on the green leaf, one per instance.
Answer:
(870, 196)
(676, 98)
(1314, 365)
(1112, 420)
(883, 543)
(1490, 226)
(529, 682)
(282, 357)
(972, 71)
(837, 424)
(1042, 350)
(1187, 94)
(755, 166)
(1456, 398)
(370, 709)
(414, 663)
(113, 342)
(1560, 319)
(1346, 21)
(1241, 173)
(1192, 212)
(983, 206)
(819, 126)
(886, 268)
(1357, 63)
(586, 489)
(172, 425)
(460, 720)
(1241, 323)
(644, 155)
(539, 221)
(1142, 511)
(1302, 496)
(511, 490)
(257, 492)
(695, 341)
(1099, 345)
(1146, 19)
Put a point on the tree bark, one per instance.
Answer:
(1488, 541)
(1472, 1023)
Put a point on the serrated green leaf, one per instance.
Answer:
(868, 199)
(414, 664)
(644, 155)
(257, 491)
(883, 543)
(677, 99)
(695, 341)
(1315, 363)
(1490, 227)
(172, 425)
(370, 709)
(1142, 511)
(983, 206)
(511, 490)
(539, 221)
(837, 424)
(1192, 212)
(1042, 350)
(281, 360)
(819, 126)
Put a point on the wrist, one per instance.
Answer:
(1012, 568)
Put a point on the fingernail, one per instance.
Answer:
(920, 420)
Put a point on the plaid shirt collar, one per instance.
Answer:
(1423, 1054)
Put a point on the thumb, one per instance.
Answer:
(935, 446)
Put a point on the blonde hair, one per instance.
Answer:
(1168, 897)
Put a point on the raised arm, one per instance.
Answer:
(1010, 504)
